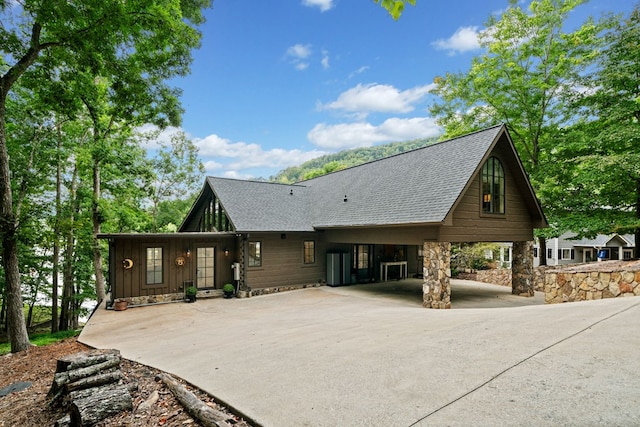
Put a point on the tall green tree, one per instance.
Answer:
(135, 45)
(523, 79)
(178, 172)
(603, 160)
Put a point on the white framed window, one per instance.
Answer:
(549, 253)
(567, 254)
(627, 254)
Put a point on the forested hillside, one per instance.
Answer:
(347, 158)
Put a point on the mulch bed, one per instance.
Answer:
(37, 366)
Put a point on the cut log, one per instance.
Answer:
(76, 374)
(100, 405)
(84, 359)
(94, 381)
(207, 416)
(82, 394)
(81, 365)
(63, 422)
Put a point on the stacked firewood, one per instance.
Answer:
(89, 386)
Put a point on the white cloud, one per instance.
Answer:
(297, 54)
(323, 5)
(223, 157)
(363, 99)
(151, 137)
(226, 158)
(358, 71)
(325, 59)
(363, 134)
(463, 40)
(299, 51)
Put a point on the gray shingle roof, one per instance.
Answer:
(416, 187)
(419, 186)
(263, 206)
(601, 240)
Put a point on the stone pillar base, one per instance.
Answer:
(436, 289)
(522, 281)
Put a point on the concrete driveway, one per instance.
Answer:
(371, 355)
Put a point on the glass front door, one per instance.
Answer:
(205, 268)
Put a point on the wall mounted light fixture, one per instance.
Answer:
(226, 252)
(188, 253)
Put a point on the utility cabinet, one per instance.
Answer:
(338, 268)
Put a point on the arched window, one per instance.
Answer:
(493, 187)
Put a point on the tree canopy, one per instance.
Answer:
(530, 72)
(107, 61)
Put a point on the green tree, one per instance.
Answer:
(134, 45)
(395, 7)
(603, 161)
(523, 79)
(178, 172)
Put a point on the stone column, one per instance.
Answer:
(522, 283)
(436, 289)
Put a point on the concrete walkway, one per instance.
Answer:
(371, 355)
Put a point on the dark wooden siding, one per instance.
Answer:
(405, 235)
(282, 260)
(132, 282)
(469, 224)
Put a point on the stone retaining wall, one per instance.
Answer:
(212, 293)
(591, 282)
(496, 276)
(276, 289)
(502, 276)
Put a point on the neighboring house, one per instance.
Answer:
(567, 250)
(390, 218)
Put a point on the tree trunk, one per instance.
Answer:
(67, 276)
(16, 326)
(207, 416)
(542, 255)
(97, 219)
(100, 405)
(637, 233)
(56, 242)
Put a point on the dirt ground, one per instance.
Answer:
(37, 365)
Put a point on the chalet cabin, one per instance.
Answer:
(387, 219)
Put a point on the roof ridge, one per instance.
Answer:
(406, 152)
(255, 181)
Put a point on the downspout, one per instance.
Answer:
(111, 280)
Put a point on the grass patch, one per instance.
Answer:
(42, 339)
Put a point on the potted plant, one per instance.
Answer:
(228, 290)
(120, 304)
(191, 293)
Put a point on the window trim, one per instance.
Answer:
(304, 252)
(260, 254)
(496, 174)
(566, 254)
(146, 265)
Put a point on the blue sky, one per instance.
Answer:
(276, 83)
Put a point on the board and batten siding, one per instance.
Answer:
(470, 224)
(283, 260)
(133, 282)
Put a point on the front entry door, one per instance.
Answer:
(363, 262)
(205, 267)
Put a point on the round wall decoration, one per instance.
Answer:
(127, 263)
(180, 261)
